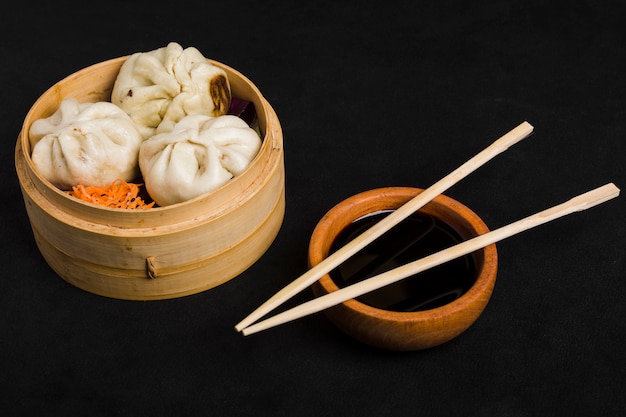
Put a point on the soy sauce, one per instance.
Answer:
(414, 238)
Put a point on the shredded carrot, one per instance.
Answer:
(120, 194)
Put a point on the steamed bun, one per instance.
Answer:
(195, 156)
(167, 84)
(92, 143)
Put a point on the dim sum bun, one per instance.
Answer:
(92, 143)
(167, 84)
(195, 156)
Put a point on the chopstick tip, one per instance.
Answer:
(529, 127)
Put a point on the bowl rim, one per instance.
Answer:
(374, 200)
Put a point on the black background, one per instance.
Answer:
(369, 94)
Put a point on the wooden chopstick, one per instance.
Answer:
(338, 257)
(579, 203)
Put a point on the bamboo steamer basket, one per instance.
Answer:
(163, 252)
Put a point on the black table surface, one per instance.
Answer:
(369, 94)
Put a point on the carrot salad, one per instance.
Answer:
(119, 194)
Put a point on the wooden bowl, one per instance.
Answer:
(413, 330)
(162, 252)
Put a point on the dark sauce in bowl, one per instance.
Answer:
(417, 236)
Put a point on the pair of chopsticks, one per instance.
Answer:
(578, 203)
